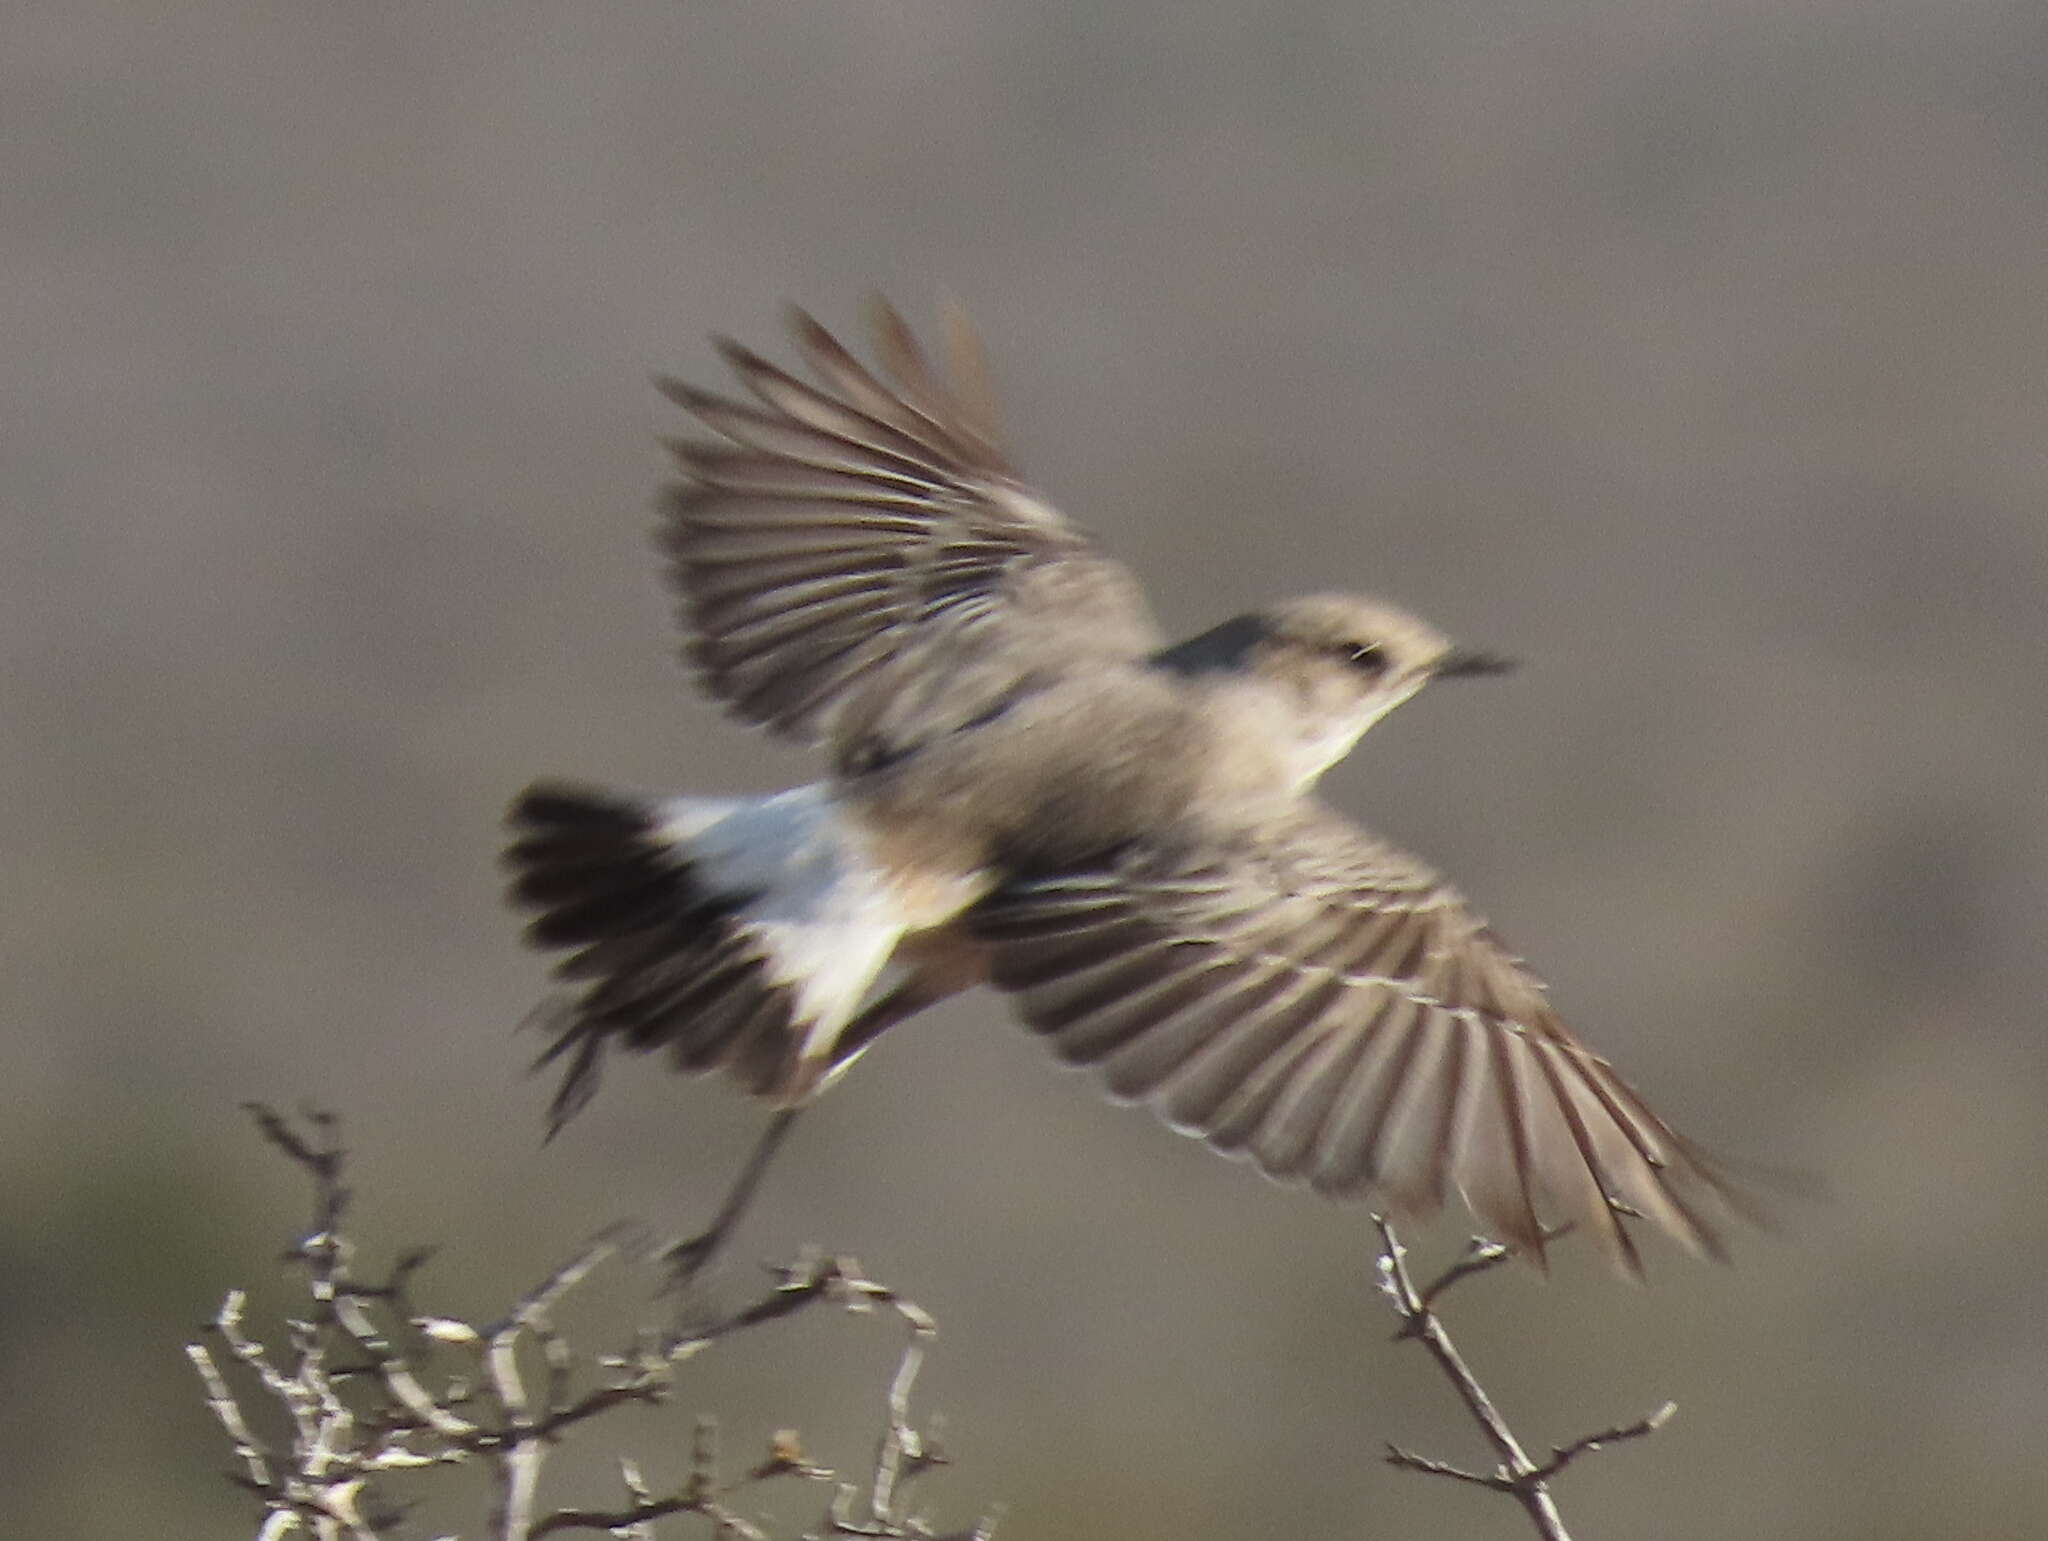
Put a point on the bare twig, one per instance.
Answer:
(1523, 1479)
(367, 1396)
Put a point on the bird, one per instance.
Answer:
(1027, 786)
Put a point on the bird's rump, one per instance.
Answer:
(1324, 1005)
(733, 934)
(856, 559)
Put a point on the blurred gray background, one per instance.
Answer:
(1689, 350)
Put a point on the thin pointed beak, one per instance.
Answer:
(1458, 663)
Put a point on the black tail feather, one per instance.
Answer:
(656, 959)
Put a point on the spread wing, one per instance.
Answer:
(856, 558)
(1325, 1005)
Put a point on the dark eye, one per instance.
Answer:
(1366, 658)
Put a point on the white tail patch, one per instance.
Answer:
(810, 898)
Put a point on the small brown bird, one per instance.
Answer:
(1028, 787)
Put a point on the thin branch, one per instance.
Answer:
(1562, 1456)
(1523, 1479)
(1481, 1256)
(220, 1401)
(361, 1383)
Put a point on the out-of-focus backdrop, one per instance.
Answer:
(1692, 352)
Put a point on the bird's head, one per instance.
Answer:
(1338, 662)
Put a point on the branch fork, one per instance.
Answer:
(1525, 1480)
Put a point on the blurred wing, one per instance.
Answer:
(860, 559)
(1325, 1005)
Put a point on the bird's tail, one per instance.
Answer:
(738, 935)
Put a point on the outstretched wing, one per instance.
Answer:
(856, 559)
(1328, 1007)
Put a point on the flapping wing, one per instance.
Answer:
(1326, 1006)
(857, 556)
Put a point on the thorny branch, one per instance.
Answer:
(1525, 1480)
(365, 1398)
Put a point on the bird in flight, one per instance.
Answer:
(1027, 786)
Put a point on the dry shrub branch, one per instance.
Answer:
(375, 1393)
(1525, 1480)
